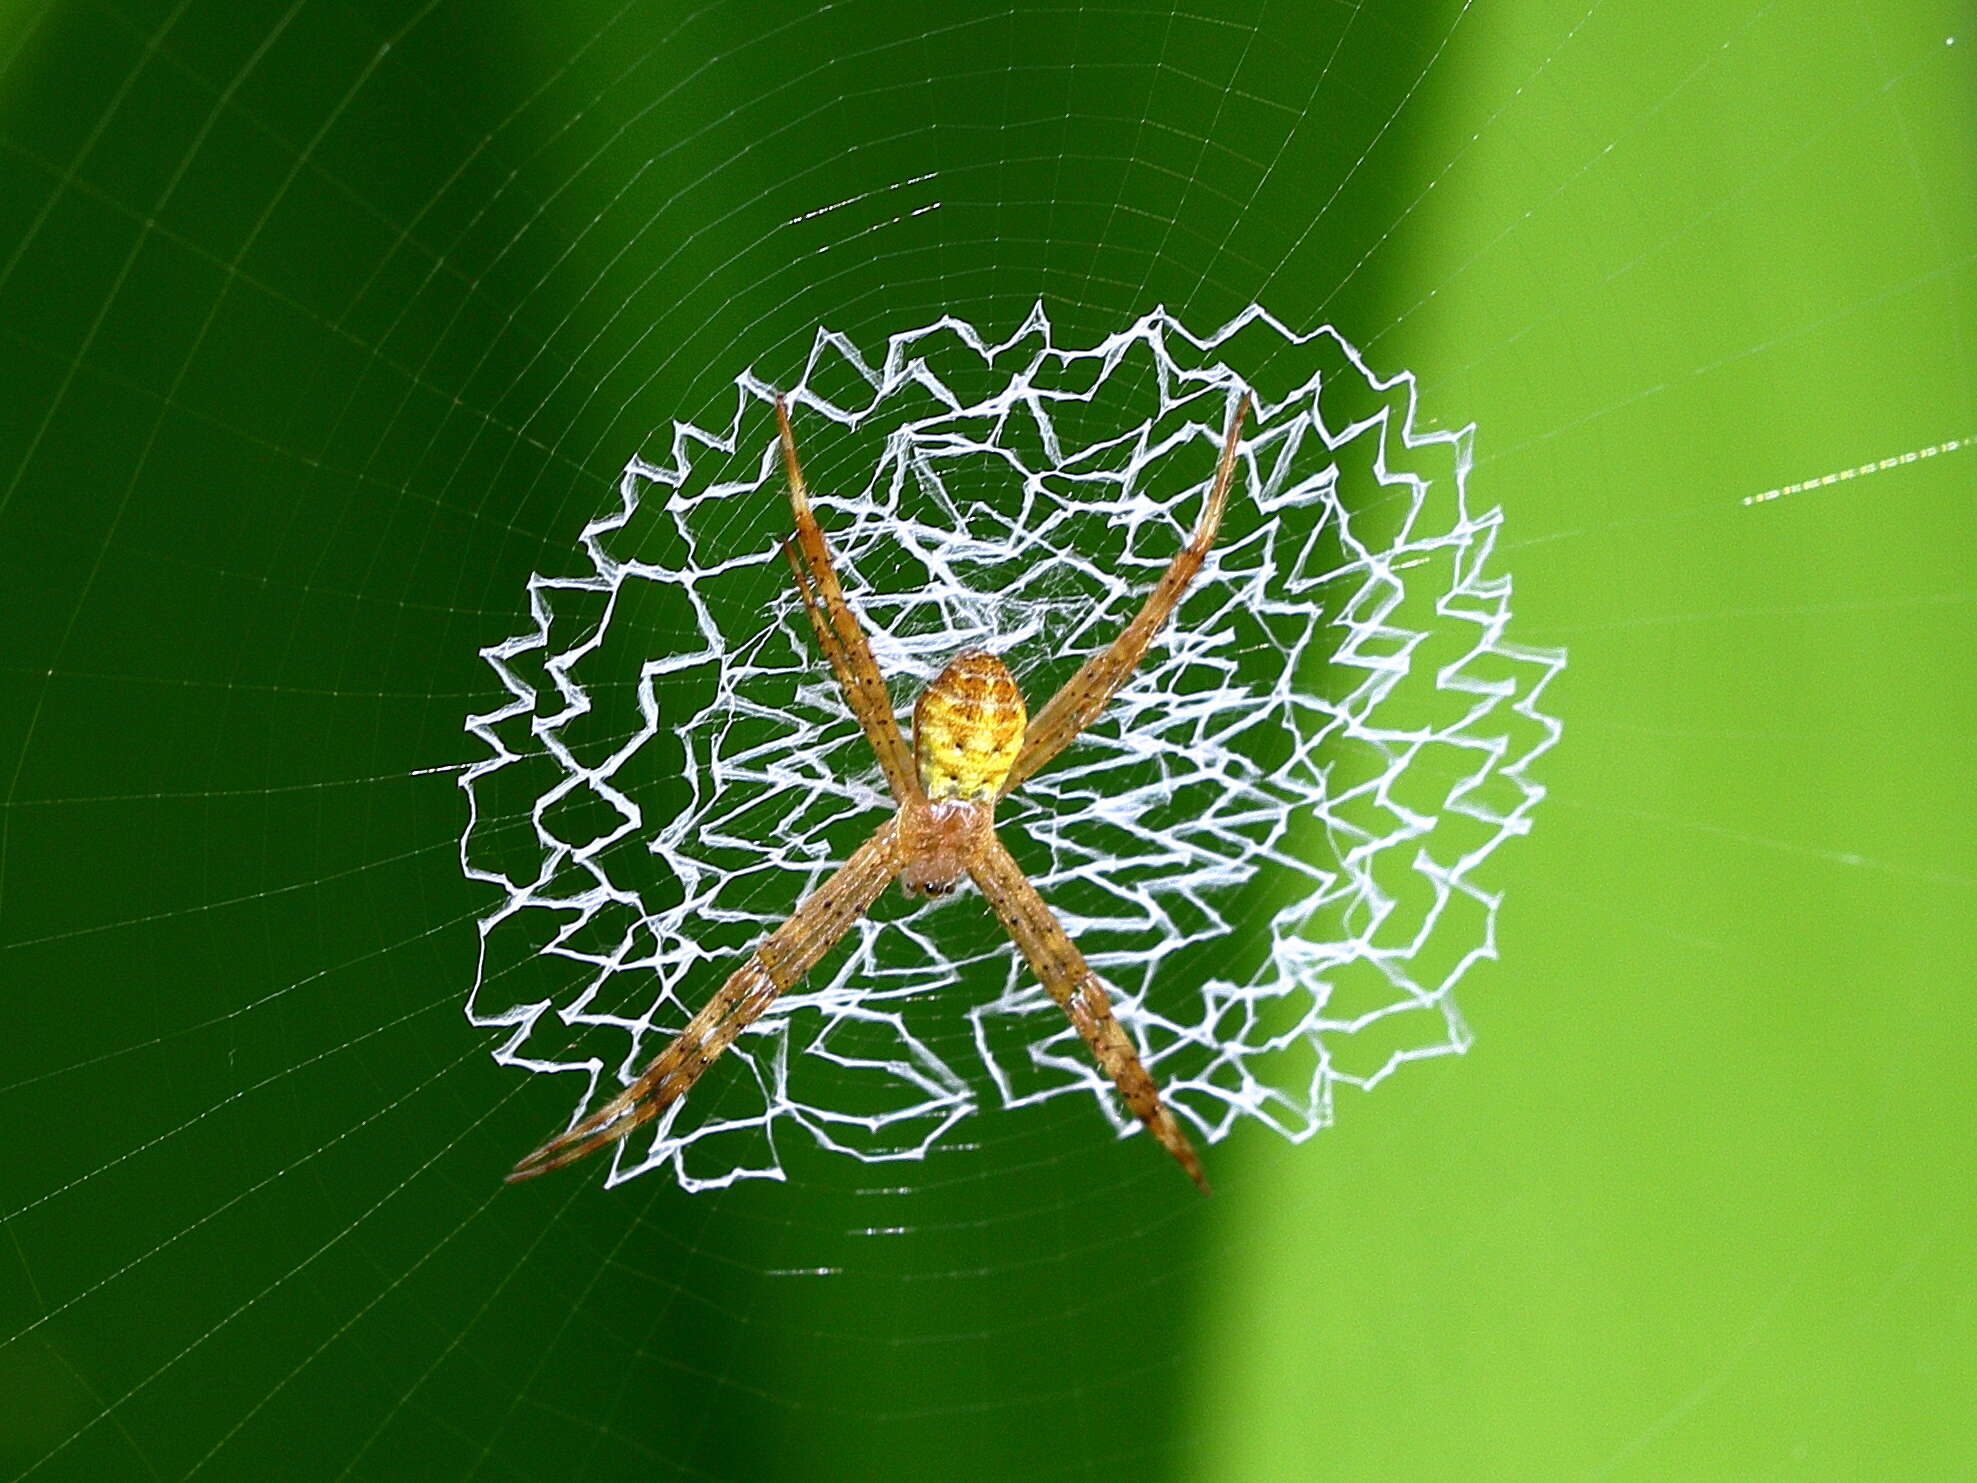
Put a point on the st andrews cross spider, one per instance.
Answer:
(973, 742)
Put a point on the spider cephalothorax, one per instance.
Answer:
(973, 741)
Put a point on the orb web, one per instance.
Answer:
(1271, 846)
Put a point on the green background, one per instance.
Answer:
(325, 325)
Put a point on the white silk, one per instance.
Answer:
(1272, 845)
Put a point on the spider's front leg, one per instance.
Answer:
(1062, 969)
(783, 958)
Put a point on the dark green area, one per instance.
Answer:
(324, 327)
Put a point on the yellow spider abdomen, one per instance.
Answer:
(968, 727)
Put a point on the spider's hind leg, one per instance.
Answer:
(1082, 697)
(838, 632)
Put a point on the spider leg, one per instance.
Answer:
(1077, 704)
(1056, 961)
(838, 634)
(828, 643)
(783, 958)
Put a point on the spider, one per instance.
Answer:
(973, 742)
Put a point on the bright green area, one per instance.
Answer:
(1700, 1202)
(324, 327)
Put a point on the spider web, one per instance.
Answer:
(649, 810)
(326, 325)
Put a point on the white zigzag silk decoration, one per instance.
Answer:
(1271, 846)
